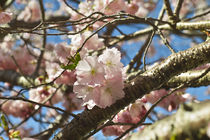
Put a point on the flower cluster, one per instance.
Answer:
(109, 7)
(41, 93)
(31, 13)
(171, 102)
(17, 59)
(131, 115)
(94, 43)
(17, 108)
(100, 79)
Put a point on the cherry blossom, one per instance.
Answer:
(111, 60)
(17, 108)
(42, 93)
(90, 71)
(111, 91)
(132, 114)
(100, 79)
(94, 43)
(62, 51)
(5, 17)
(171, 102)
(54, 70)
(31, 12)
(88, 93)
(22, 61)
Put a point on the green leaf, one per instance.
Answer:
(3, 119)
(173, 137)
(15, 134)
(69, 67)
(77, 57)
(4, 122)
(74, 60)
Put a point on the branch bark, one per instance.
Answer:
(138, 87)
(189, 122)
(197, 25)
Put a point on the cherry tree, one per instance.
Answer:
(116, 62)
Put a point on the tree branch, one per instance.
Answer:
(190, 122)
(187, 77)
(197, 25)
(138, 87)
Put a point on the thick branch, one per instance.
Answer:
(187, 77)
(190, 122)
(197, 25)
(29, 25)
(143, 84)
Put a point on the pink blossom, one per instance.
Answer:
(112, 131)
(54, 70)
(31, 12)
(111, 59)
(86, 7)
(88, 93)
(101, 95)
(17, 108)
(25, 61)
(137, 110)
(100, 79)
(144, 7)
(76, 43)
(68, 78)
(93, 43)
(171, 102)
(5, 17)
(62, 51)
(188, 5)
(50, 53)
(40, 94)
(132, 8)
(6, 61)
(90, 71)
(99, 5)
(7, 44)
(132, 114)
(114, 6)
(110, 92)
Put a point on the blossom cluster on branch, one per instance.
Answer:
(86, 69)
